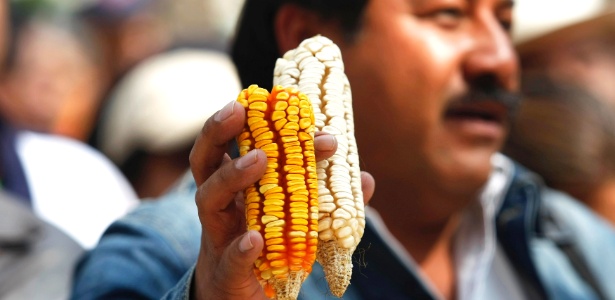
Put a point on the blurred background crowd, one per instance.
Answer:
(135, 79)
(100, 102)
(128, 77)
(566, 124)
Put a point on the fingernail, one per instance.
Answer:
(225, 112)
(247, 160)
(325, 143)
(245, 244)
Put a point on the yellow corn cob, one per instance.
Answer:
(283, 205)
(316, 69)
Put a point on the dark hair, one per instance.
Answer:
(254, 49)
(19, 14)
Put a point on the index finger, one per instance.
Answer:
(212, 142)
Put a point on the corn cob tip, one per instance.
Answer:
(337, 264)
(289, 289)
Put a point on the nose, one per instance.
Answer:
(492, 55)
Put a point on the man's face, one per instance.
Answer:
(409, 66)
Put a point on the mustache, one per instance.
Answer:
(487, 89)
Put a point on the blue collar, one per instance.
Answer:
(516, 224)
(377, 273)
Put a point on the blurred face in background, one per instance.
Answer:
(50, 86)
(587, 62)
(581, 54)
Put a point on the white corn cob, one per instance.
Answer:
(316, 69)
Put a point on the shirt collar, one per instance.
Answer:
(475, 241)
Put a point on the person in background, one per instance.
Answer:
(434, 84)
(157, 110)
(208, 24)
(50, 80)
(565, 129)
(568, 137)
(142, 126)
(62, 181)
(574, 44)
(125, 32)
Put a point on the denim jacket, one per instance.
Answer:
(559, 249)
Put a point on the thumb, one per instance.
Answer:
(249, 246)
(238, 264)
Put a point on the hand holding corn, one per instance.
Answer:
(225, 265)
(304, 212)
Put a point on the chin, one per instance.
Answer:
(467, 174)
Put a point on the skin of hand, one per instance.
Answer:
(224, 268)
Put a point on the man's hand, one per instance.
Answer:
(224, 269)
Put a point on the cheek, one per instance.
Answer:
(423, 61)
(402, 75)
(404, 80)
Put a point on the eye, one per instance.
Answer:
(449, 17)
(506, 25)
(504, 15)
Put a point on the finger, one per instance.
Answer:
(212, 143)
(216, 195)
(233, 277)
(237, 266)
(368, 185)
(325, 145)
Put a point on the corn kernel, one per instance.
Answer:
(277, 205)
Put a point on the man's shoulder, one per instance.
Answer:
(172, 219)
(541, 205)
(555, 239)
(528, 187)
(161, 234)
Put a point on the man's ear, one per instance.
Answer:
(292, 25)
